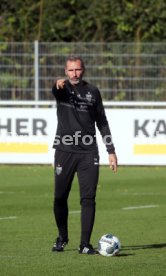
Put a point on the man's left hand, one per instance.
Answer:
(113, 162)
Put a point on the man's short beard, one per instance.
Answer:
(75, 82)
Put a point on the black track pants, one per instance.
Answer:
(87, 168)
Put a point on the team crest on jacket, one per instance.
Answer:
(58, 170)
(88, 97)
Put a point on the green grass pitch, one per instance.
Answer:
(28, 231)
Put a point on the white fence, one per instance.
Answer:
(105, 103)
(122, 71)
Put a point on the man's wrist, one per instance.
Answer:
(111, 150)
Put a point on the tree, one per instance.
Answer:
(83, 20)
(21, 20)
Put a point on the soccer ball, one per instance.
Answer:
(109, 245)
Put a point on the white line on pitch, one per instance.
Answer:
(7, 256)
(143, 194)
(75, 212)
(140, 207)
(7, 218)
(6, 192)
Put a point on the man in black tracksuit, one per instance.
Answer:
(79, 107)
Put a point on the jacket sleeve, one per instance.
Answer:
(103, 125)
(62, 94)
(57, 93)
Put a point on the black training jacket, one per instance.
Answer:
(79, 107)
